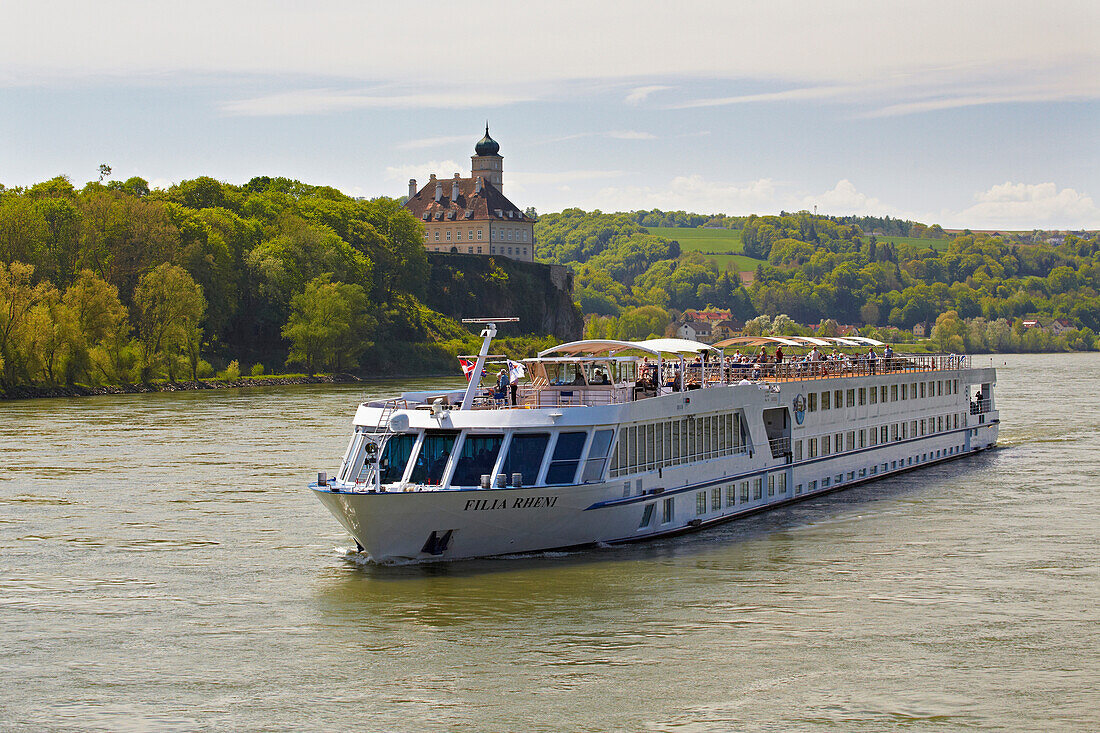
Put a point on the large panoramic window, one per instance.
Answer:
(597, 455)
(477, 458)
(431, 462)
(525, 455)
(567, 454)
(395, 456)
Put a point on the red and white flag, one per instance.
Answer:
(468, 367)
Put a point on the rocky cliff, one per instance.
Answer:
(475, 286)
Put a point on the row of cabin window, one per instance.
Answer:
(651, 446)
(478, 453)
(870, 437)
(883, 393)
(516, 235)
(873, 470)
(738, 493)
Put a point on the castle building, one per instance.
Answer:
(472, 215)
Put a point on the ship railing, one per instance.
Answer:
(780, 447)
(980, 407)
(545, 395)
(861, 366)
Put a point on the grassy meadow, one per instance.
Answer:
(721, 245)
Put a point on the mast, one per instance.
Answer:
(487, 335)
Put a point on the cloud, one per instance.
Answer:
(788, 95)
(1029, 206)
(800, 49)
(421, 171)
(631, 135)
(432, 142)
(640, 94)
(691, 193)
(320, 101)
(762, 196)
(844, 200)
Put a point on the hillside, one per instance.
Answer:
(121, 283)
(634, 280)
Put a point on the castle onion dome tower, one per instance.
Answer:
(487, 161)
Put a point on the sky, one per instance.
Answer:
(964, 114)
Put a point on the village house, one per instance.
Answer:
(706, 325)
(1060, 326)
(920, 330)
(843, 331)
(695, 330)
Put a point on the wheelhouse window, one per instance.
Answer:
(431, 462)
(476, 459)
(567, 454)
(525, 454)
(395, 456)
(597, 455)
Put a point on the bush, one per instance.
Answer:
(205, 371)
(257, 370)
(231, 372)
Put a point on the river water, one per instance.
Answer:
(163, 568)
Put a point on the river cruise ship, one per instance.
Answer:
(617, 441)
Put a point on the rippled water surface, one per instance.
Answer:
(163, 568)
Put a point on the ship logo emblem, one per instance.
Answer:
(799, 409)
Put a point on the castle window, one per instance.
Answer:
(448, 235)
(437, 235)
(479, 235)
(471, 235)
(458, 235)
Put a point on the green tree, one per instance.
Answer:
(102, 326)
(20, 301)
(328, 325)
(170, 306)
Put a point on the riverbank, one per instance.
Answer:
(78, 390)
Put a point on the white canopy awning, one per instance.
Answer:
(801, 341)
(610, 347)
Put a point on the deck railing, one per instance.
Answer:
(714, 374)
(780, 447)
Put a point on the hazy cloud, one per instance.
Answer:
(1029, 206)
(433, 142)
(816, 48)
(691, 193)
(421, 171)
(319, 101)
(640, 94)
(631, 135)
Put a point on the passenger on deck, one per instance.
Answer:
(778, 354)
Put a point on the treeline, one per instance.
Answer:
(658, 218)
(820, 268)
(120, 283)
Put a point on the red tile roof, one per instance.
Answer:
(481, 206)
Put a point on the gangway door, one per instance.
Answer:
(777, 424)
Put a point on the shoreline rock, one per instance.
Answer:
(29, 392)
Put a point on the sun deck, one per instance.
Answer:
(602, 372)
